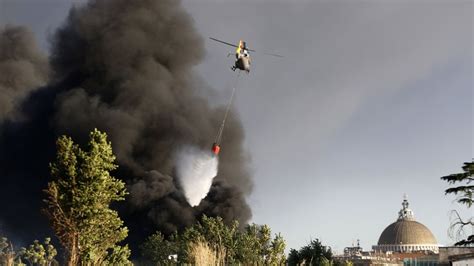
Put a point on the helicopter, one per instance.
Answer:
(242, 55)
(242, 62)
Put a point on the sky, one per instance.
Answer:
(372, 100)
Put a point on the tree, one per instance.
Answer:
(277, 251)
(465, 195)
(40, 254)
(79, 197)
(263, 239)
(8, 256)
(213, 231)
(255, 246)
(312, 254)
(212, 240)
(293, 257)
(119, 255)
(157, 249)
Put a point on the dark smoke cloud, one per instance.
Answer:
(152, 187)
(170, 215)
(223, 200)
(23, 68)
(126, 67)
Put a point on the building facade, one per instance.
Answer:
(406, 235)
(407, 242)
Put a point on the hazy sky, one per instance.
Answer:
(373, 99)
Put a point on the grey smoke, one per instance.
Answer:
(126, 67)
(23, 68)
(153, 186)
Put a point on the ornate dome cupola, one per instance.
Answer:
(405, 213)
(406, 235)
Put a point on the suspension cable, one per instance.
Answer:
(229, 104)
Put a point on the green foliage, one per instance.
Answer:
(5, 246)
(255, 246)
(40, 254)
(465, 191)
(248, 245)
(79, 197)
(7, 255)
(312, 254)
(465, 195)
(215, 232)
(293, 257)
(157, 249)
(118, 255)
(251, 246)
(343, 263)
(277, 251)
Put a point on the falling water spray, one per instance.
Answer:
(195, 170)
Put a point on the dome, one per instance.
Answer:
(406, 235)
(406, 232)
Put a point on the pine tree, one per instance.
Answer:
(465, 195)
(79, 197)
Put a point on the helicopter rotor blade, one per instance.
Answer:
(233, 45)
(277, 55)
(250, 50)
(230, 44)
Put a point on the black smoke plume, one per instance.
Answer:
(23, 68)
(124, 67)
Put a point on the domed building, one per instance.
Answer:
(406, 235)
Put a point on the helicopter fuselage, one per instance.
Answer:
(242, 56)
(242, 62)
